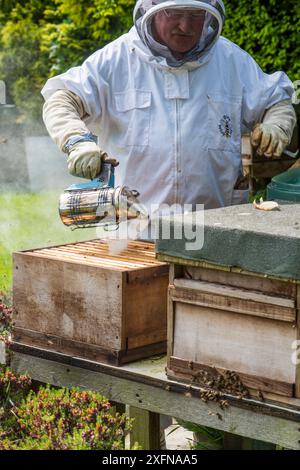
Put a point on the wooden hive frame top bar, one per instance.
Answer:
(137, 255)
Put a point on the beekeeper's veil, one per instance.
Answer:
(214, 21)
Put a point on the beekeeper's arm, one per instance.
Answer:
(267, 107)
(63, 115)
(74, 103)
(274, 134)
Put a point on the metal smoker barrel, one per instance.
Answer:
(104, 206)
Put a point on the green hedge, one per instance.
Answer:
(269, 31)
(39, 39)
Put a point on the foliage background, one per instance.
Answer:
(39, 39)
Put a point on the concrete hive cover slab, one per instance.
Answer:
(239, 236)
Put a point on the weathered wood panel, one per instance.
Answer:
(184, 262)
(242, 343)
(243, 280)
(235, 321)
(146, 320)
(243, 294)
(53, 297)
(187, 371)
(67, 346)
(231, 299)
(79, 298)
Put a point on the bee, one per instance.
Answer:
(260, 395)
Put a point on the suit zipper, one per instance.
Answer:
(177, 156)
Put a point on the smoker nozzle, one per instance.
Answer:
(128, 205)
(137, 210)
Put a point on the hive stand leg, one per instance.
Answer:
(146, 428)
(232, 441)
(2, 352)
(252, 444)
(118, 407)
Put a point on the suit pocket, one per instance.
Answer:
(224, 123)
(133, 117)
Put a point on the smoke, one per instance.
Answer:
(30, 161)
(126, 231)
(116, 247)
(33, 173)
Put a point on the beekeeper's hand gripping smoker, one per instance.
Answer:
(99, 203)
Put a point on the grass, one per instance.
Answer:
(28, 221)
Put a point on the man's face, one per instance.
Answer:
(177, 29)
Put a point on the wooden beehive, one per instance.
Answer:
(234, 301)
(237, 322)
(80, 300)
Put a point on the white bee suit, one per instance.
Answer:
(175, 130)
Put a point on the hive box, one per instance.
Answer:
(234, 303)
(80, 300)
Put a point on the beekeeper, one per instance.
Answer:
(170, 100)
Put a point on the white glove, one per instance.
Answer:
(64, 116)
(269, 139)
(275, 133)
(84, 160)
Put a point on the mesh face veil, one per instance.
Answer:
(213, 23)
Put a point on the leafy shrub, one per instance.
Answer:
(56, 419)
(6, 322)
(23, 63)
(39, 39)
(13, 388)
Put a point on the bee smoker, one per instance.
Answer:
(99, 203)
